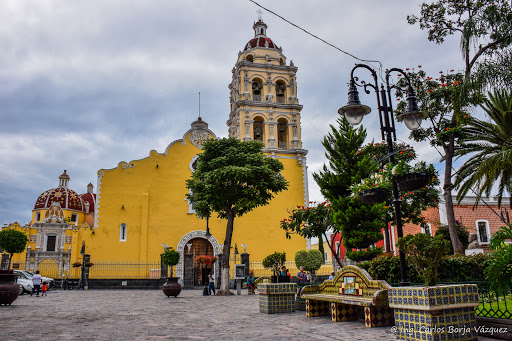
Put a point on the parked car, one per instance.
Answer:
(28, 275)
(25, 284)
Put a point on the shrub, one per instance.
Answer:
(462, 232)
(454, 269)
(275, 261)
(170, 258)
(425, 253)
(311, 260)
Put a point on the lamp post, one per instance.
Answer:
(354, 112)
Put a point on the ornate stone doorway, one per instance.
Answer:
(191, 245)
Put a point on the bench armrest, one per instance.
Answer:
(310, 289)
(380, 298)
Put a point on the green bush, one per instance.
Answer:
(454, 269)
(275, 261)
(462, 232)
(170, 258)
(424, 254)
(311, 260)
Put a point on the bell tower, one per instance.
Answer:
(263, 97)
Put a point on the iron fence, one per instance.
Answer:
(259, 270)
(491, 304)
(99, 270)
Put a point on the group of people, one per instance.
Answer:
(302, 277)
(36, 281)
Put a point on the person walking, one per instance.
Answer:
(211, 284)
(44, 289)
(36, 280)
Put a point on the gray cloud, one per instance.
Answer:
(87, 84)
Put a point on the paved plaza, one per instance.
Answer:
(132, 315)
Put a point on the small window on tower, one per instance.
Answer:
(74, 217)
(249, 58)
(122, 232)
(38, 216)
(258, 129)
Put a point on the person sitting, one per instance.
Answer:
(251, 286)
(302, 276)
(331, 276)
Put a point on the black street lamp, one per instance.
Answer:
(354, 112)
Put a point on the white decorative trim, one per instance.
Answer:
(487, 228)
(180, 267)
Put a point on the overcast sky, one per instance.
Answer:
(87, 84)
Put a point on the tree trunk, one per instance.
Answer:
(9, 265)
(226, 251)
(336, 256)
(450, 213)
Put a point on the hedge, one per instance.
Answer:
(454, 269)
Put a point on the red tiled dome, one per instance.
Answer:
(67, 198)
(89, 198)
(260, 42)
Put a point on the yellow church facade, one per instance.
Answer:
(140, 206)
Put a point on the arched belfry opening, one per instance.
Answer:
(280, 92)
(257, 129)
(282, 133)
(257, 87)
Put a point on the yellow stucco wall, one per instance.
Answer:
(150, 200)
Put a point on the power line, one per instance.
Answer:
(366, 61)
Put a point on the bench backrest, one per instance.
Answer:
(352, 280)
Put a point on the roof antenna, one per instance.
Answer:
(199, 104)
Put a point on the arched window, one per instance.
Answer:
(282, 133)
(257, 86)
(281, 61)
(257, 129)
(280, 92)
(122, 232)
(483, 232)
(249, 58)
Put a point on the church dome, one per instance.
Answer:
(67, 198)
(89, 199)
(260, 37)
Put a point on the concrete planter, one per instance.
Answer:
(435, 313)
(277, 298)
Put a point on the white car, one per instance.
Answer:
(25, 284)
(27, 275)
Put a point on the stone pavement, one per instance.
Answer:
(132, 315)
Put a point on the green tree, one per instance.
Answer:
(170, 258)
(462, 232)
(312, 221)
(484, 25)
(496, 71)
(499, 271)
(425, 253)
(311, 260)
(233, 178)
(413, 203)
(489, 145)
(360, 224)
(275, 262)
(12, 241)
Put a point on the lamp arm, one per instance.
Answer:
(365, 86)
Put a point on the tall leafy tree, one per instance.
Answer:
(490, 147)
(348, 163)
(484, 28)
(232, 178)
(312, 221)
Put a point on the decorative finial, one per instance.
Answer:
(259, 14)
